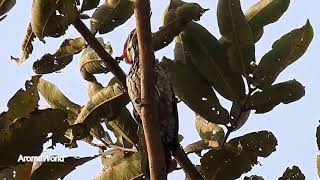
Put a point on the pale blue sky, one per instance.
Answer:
(294, 124)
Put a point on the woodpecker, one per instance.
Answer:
(165, 101)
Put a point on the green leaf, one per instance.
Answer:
(105, 104)
(175, 18)
(27, 46)
(125, 168)
(57, 170)
(110, 15)
(208, 130)
(124, 126)
(237, 156)
(186, 80)
(45, 20)
(210, 59)
(293, 173)
(265, 12)
(56, 99)
(61, 58)
(285, 51)
(91, 63)
(235, 30)
(285, 92)
(89, 4)
(253, 177)
(26, 136)
(6, 5)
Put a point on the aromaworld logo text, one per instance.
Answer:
(44, 158)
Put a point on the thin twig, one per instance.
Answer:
(110, 63)
(117, 147)
(244, 108)
(187, 166)
(157, 166)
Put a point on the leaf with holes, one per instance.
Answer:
(293, 173)
(285, 92)
(175, 18)
(285, 51)
(91, 63)
(61, 58)
(56, 99)
(89, 4)
(185, 81)
(110, 15)
(123, 168)
(210, 59)
(238, 155)
(236, 31)
(27, 46)
(208, 130)
(57, 170)
(265, 12)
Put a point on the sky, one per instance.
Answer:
(294, 124)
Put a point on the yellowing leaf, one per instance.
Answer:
(208, 130)
(56, 99)
(125, 168)
(27, 46)
(110, 15)
(91, 63)
(105, 104)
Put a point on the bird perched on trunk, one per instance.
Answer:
(165, 101)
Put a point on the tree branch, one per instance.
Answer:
(151, 125)
(110, 63)
(187, 166)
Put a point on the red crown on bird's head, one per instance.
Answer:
(126, 52)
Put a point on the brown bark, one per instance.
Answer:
(151, 130)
